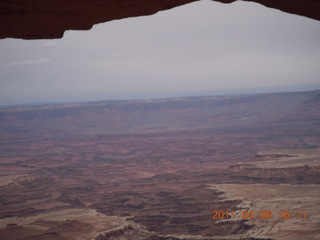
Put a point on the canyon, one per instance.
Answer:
(161, 168)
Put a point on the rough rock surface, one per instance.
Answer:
(48, 19)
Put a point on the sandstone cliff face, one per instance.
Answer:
(51, 18)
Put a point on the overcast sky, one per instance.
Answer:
(203, 48)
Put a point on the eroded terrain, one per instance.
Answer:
(157, 169)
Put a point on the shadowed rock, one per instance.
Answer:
(51, 18)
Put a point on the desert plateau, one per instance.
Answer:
(215, 167)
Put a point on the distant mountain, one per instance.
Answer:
(163, 114)
(29, 105)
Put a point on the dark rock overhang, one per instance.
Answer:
(47, 19)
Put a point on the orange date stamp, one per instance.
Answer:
(258, 214)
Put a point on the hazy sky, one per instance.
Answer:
(201, 48)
